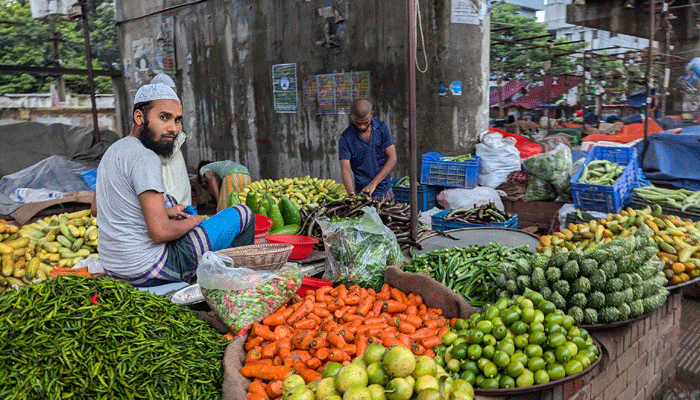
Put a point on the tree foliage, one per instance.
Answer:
(515, 59)
(27, 41)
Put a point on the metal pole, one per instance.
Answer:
(412, 140)
(583, 95)
(56, 55)
(88, 50)
(647, 106)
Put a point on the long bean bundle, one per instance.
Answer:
(469, 271)
(96, 338)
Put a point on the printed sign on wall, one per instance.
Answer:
(336, 92)
(284, 87)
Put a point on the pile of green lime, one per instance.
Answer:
(381, 374)
(516, 343)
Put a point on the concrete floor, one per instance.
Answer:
(689, 354)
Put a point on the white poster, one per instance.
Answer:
(464, 12)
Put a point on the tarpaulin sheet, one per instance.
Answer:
(525, 146)
(627, 134)
(673, 158)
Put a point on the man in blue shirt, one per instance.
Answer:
(367, 149)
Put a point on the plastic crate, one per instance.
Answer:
(439, 223)
(90, 178)
(449, 173)
(427, 195)
(610, 199)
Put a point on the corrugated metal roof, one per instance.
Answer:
(509, 89)
(546, 90)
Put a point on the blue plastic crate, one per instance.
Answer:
(90, 178)
(449, 173)
(609, 199)
(427, 195)
(439, 223)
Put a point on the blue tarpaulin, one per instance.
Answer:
(673, 158)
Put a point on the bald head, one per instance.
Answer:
(361, 108)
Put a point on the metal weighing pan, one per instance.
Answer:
(189, 295)
(477, 236)
(686, 283)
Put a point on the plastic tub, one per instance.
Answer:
(262, 224)
(309, 283)
(303, 245)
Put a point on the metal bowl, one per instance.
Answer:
(189, 295)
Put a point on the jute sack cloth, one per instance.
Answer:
(434, 294)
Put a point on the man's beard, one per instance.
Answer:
(146, 136)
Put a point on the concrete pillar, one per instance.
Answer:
(457, 52)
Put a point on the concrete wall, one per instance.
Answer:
(224, 51)
(106, 117)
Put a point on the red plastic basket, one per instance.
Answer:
(262, 224)
(309, 283)
(303, 245)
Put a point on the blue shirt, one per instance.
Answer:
(367, 158)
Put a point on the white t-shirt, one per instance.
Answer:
(126, 170)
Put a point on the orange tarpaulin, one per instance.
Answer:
(627, 134)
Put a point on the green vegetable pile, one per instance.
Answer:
(462, 158)
(601, 172)
(615, 281)
(360, 249)
(550, 174)
(469, 271)
(680, 198)
(59, 339)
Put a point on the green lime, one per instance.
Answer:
(526, 303)
(459, 352)
(554, 318)
(579, 342)
(485, 326)
(536, 364)
(539, 315)
(481, 363)
(554, 328)
(474, 318)
(490, 369)
(448, 338)
(588, 354)
(331, 369)
(506, 382)
(469, 365)
(461, 324)
(521, 340)
(535, 297)
(507, 346)
(593, 348)
(584, 334)
(489, 340)
(508, 316)
(555, 339)
(500, 358)
(562, 354)
(528, 315)
(573, 367)
(515, 369)
(461, 339)
(489, 383)
(585, 361)
(568, 322)
(541, 376)
(497, 321)
(475, 336)
(439, 360)
(440, 349)
(547, 307)
(502, 303)
(488, 352)
(474, 352)
(533, 350)
(573, 332)
(518, 328)
(469, 376)
(536, 327)
(556, 371)
(522, 358)
(452, 365)
(525, 379)
(548, 357)
(490, 313)
(499, 331)
(573, 349)
(537, 337)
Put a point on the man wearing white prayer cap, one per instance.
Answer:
(146, 238)
(175, 177)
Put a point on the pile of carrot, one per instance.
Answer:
(335, 324)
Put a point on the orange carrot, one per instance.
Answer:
(392, 341)
(274, 389)
(306, 323)
(318, 343)
(266, 372)
(417, 349)
(338, 355)
(256, 396)
(301, 312)
(430, 353)
(252, 343)
(365, 305)
(375, 321)
(262, 361)
(404, 339)
(321, 311)
(411, 319)
(453, 321)
(349, 349)
(306, 342)
(398, 295)
(352, 317)
(274, 319)
(308, 374)
(277, 360)
(336, 340)
(430, 342)
(353, 300)
(361, 344)
(393, 306)
(257, 386)
(406, 327)
(322, 353)
(314, 363)
(282, 331)
(422, 333)
(442, 331)
(264, 332)
(434, 323)
(270, 350)
(253, 355)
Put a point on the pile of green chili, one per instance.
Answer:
(96, 338)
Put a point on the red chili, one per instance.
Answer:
(94, 299)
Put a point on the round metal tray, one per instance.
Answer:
(477, 236)
(611, 325)
(189, 295)
(686, 283)
(542, 386)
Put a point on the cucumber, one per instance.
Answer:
(289, 211)
(276, 217)
(286, 230)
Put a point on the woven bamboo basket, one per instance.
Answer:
(259, 256)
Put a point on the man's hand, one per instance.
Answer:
(177, 212)
(369, 189)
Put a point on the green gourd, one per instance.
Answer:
(276, 217)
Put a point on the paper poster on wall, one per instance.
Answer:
(360, 85)
(326, 94)
(343, 93)
(167, 44)
(310, 88)
(464, 12)
(284, 87)
(143, 55)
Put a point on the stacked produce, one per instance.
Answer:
(682, 199)
(616, 281)
(461, 158)
(516, 343)
(336, 325)
(678, 240)
(94, 338)
(8, 231)
(470, 271)
(396, 216)
(601, 172)
(302, 191)
(483, 214)
(284, 213)
(378, 374)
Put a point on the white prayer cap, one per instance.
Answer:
(164, 79)
(155, 91)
